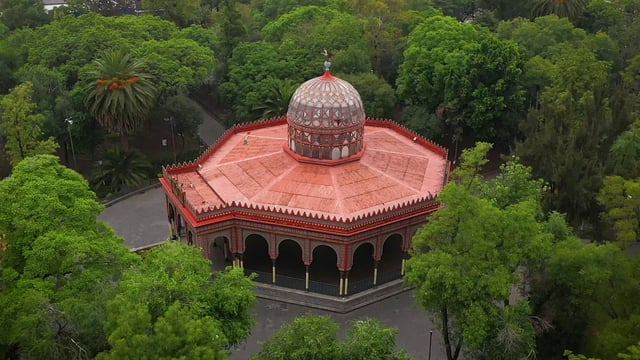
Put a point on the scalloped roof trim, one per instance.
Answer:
(210, 211)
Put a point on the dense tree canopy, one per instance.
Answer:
(185, 314)
(60, 263)
(463, 75)
(316, 337)
(561, 92)
(69, 288)
(22, 125)
(22, 13)
(466, 260)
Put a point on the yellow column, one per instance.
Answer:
(341, 284)
(375, 274)
(346, 283)
(306, 278)
(402, 269)
(273, 271)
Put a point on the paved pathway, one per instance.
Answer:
(142, 220)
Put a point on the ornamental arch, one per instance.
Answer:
(363, 262)
(290, 259)
(324, 264)
(393, 257)
(256, 253)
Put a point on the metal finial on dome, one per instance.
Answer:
(327, 60)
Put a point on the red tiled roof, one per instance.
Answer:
(395, 169)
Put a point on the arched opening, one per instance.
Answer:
(289, 262)
(290, 269)
(179, 227)
(189, 237)
(323, 272)
(390, 264)
(256, 254)
(361, 274)
(219, 253)
(172, 214)
(335, 153)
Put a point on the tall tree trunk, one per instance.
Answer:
(445, 332)
(447, 340)
(124, 142)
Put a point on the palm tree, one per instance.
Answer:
(563, 8)
(120, 169)
(277, 102)
(119, 95)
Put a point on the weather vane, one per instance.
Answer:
(327, 59)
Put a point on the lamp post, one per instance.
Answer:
(173, 139)
(430, 337)
(69, 122)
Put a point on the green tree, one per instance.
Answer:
(253, 71)
(177, 334)
(321, 28)
(176, 281)
(565, 138)
(21, 125)
(276, 105)
(185, 113)
(571, 9)
(308, 337)
(368, 339)
(119, 95)
(587, 291)
(20, 13)
(60, 264)
(182, 12)
(231, 32)
(621, 199)
(315, 337)
(71, 43)
(463, 75)
(377, 95)
(176, 65)
(624, 159)
(467, 260)
(103, 7)
(120, 170)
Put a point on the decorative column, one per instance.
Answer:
(306, 278)
(404, 261)
(172, 235)
(273, 271)
(375, 272)
(341, 292)
(240, 260)
(346, 283)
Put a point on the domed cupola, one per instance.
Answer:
(326, 120)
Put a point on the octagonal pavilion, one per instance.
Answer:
(323, 200)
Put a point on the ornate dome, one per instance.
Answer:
(326, 119)
(326, 102)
